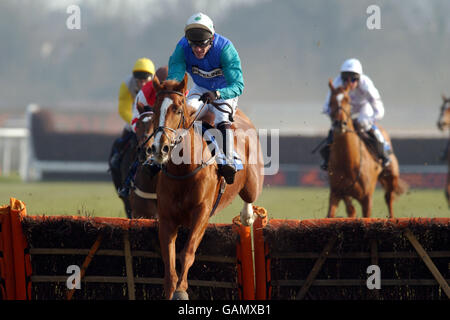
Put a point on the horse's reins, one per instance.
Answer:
(204, 164)
(174, 142)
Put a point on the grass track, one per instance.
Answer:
(99, 199)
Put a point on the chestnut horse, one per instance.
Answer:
(142, 198)
(188, 192)
(353, 171)
(444, 123)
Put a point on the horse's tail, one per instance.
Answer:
(401, 187)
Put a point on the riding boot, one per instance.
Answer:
(381, 146)
(124, 192)
(115, 157)
(227, 169)
(119, 147)
(325, 151)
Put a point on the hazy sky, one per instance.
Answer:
(288, 49)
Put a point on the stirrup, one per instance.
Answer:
(385, 162)
(123, 192)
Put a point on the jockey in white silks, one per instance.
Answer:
(366, 102)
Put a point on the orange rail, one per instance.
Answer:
(245, 261)
(260, 253)
(8, 283)
(15, 263)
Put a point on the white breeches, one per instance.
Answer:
(193, 100)
(367, 116)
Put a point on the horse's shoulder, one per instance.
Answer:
(241, 121)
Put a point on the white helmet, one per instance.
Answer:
(352, 65)
(200, 20)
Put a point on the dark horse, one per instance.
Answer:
(141, 202)
(188, 191)
(443, 124)
(142, 198)
(353, 170)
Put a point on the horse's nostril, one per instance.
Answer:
(165, 149)
(152, 149)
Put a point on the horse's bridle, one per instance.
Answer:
(179, 139)
(181, 124)
(343, 125)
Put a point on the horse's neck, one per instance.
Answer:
(198, 153)
(348, 145)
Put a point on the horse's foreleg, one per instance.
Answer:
(167, 237)
(366, 205)
(187, 256)
(247, 215)
(333, 204)
(389, 198)
(351, 211)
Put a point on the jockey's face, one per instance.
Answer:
(142, 82)
(200, 51)
(351, 79)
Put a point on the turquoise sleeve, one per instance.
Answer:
(232, 71)
(177, 65)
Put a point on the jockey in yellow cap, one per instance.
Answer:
(143, 72)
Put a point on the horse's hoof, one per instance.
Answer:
(248, 221)
(180, 295)
(247, 215)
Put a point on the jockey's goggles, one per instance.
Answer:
(201, 44)
(142, 75)
(349, 77)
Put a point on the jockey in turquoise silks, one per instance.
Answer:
(215, 67)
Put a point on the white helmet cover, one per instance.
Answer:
(200, 20)
(352, 65)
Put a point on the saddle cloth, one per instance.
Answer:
(213, 146)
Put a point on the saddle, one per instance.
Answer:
(370, 142)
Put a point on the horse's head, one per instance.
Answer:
(444, 116)
(340, 108)
(170, 115)
(144, 129)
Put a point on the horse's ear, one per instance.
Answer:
(182, 86)
(347, 87)
(330, 84)
(140, 107)
(156, 84)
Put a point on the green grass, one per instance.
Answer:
(100, 199)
